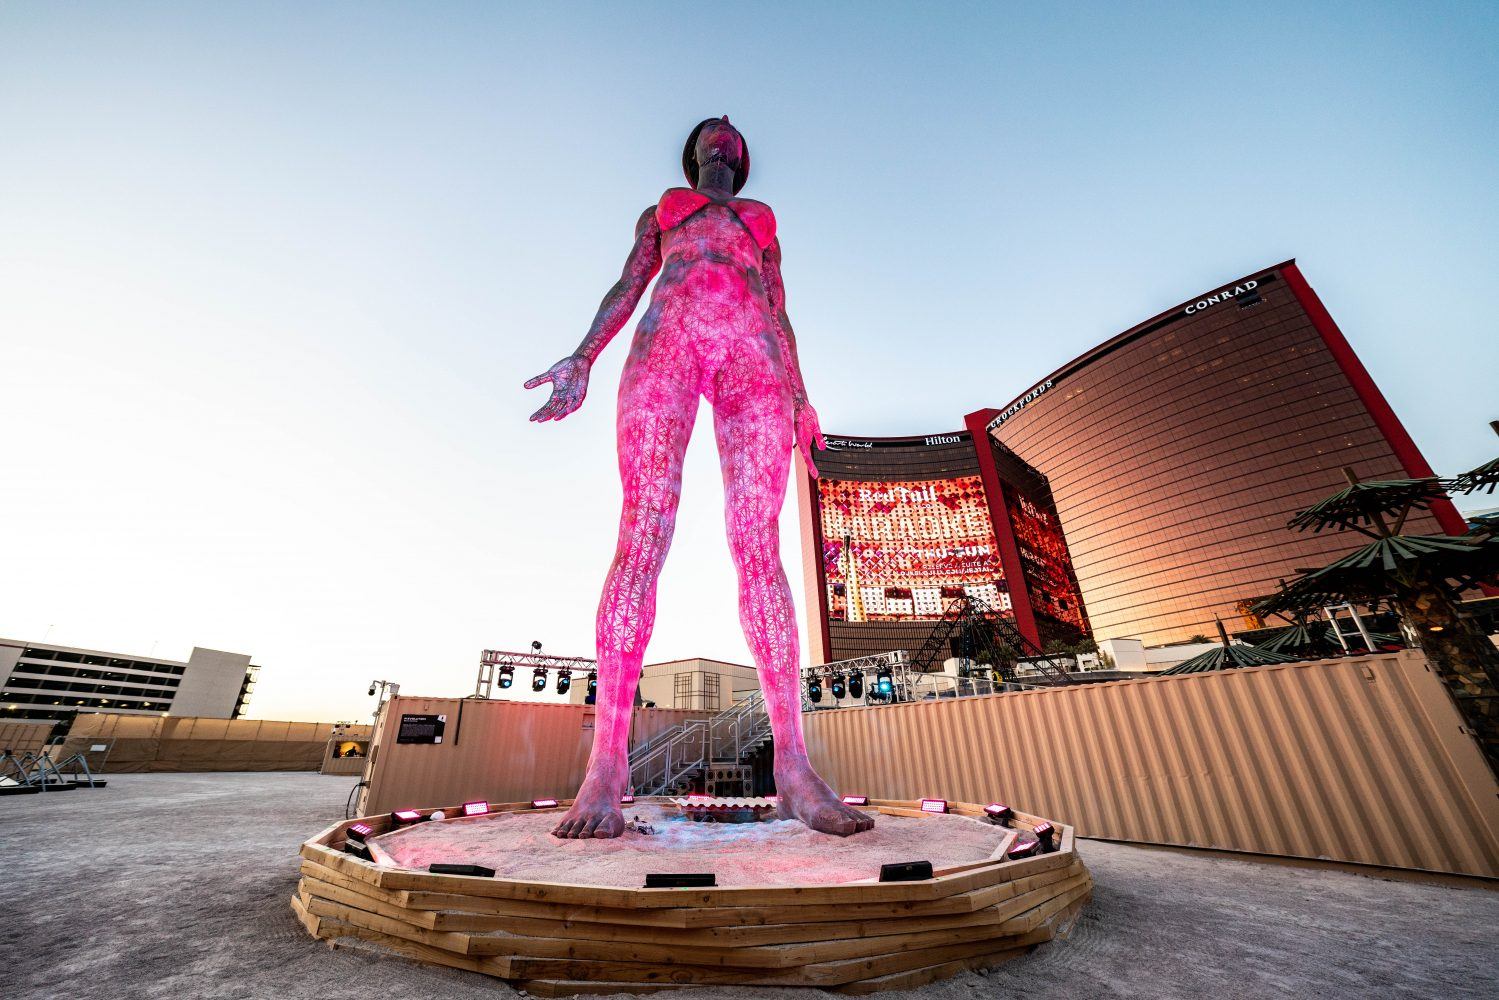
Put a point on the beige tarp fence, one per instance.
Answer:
(164, 743)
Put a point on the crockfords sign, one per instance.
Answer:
(1020, 404)
(1223, 296)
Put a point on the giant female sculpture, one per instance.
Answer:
(716, 327)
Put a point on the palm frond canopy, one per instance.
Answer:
(1360, 505)
(1486, 476)
(1379, 567)
(1229, 657)
(1309, 641)
(1376, 570)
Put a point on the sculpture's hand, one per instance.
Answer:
(808, 432)
(569, 378)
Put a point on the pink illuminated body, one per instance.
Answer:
(715, 329)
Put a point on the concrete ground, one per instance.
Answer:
(176, 885)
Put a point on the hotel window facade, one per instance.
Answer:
(47, 682)
(1177, 451)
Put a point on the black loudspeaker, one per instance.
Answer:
(909, 871)
(442, 869)
(682, 880)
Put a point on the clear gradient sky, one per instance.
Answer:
(271, 276)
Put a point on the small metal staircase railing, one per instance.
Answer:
(670, 761)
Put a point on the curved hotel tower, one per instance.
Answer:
(1175, 453)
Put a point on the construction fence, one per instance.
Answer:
(124, 744)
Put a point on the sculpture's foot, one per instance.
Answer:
(802, 795)
(595, 811)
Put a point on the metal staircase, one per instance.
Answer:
(671, 761)
(984, 632)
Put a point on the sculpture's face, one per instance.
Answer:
(720, 142)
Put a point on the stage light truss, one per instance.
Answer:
(881, 676)
(498, 664)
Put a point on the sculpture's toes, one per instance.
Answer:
(862, 820)
(606, 827)
(834, 821)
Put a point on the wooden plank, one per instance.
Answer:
(551, 988)
(480, 905)
(411, 949)
(931, 973)
(311, 921)
(318, 889)
(452, 944)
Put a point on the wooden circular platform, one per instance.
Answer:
(559, 939)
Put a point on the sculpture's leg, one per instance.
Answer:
(656, 411)
(752, 422)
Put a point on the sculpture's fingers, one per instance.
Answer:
(544, 377)
(807, 457)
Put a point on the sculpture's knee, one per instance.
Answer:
(755, 546)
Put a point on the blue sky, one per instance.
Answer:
(271, 276)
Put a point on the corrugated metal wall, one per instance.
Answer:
(502, 751)
(1361, 760)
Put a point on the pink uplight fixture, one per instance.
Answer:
(934, 805)
(476, 808)
(358, 832)
(1024, 848)
(856, 800)
(543, 803)
(626, 799)
(405, 816)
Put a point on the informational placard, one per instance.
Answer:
(421, 728)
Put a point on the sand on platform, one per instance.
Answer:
(520, 846)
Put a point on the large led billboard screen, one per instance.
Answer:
(895, 551)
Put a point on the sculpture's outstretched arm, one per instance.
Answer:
(569, 377)
(808, 431)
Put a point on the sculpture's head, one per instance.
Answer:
(715, 140)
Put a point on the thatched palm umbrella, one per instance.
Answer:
(1227, 656)
(1485, 477)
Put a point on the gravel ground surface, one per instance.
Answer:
(176, 885)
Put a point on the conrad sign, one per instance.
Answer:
(1222, 296)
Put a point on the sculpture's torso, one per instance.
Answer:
(709, 298)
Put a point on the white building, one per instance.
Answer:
(47, 682)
